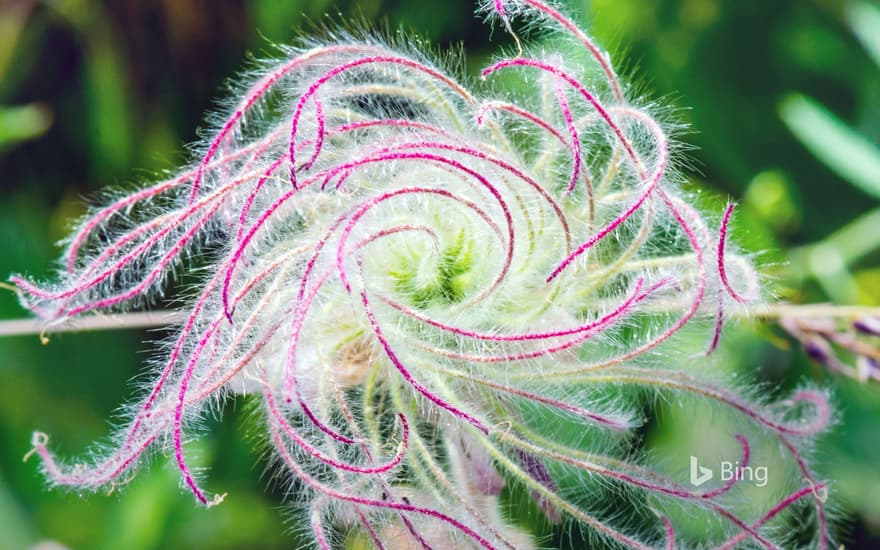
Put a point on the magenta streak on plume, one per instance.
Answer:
(100, 216)
(255, 93)
(313, 89)
(499, 7)
(673, 490)
(406, 374)
(513, 337)
(823, 412)
(562, 405)
(744, 461)
(397, 506)
(392, 153)
(319, 140)
(496, 161)
(603, 421)
(96, 220)
(100, 476)
(148, 280)
(351, 127)
(621, 310)
(652, 185)
(236, 256)
(719, 324)
(773, 512)
(498, 337)
(559, 73)
(455, 164)
(302, 308)
(585, 40)
(528, 115)
(722, 239)
(370, 531)
(670, 533)
(82, 286)
(178, 414)
(318, 529)
(316, 454)
(575, 146)
(212, 150)
(253, 195)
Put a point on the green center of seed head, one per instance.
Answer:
(425, 279)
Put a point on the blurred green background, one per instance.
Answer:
(782, 96)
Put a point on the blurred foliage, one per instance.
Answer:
(783, 98)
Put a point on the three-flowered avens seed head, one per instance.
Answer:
(436, 296)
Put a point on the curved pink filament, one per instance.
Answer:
(594, 50)
(137, 290)
(258, 91)
(364, 501)
(475, 154)
(378, 59)
(599, 325)
(575, 146)
(316, 454)
(719, 324)
(773, 512)
(319, 140)
(96, 219)
(404, 372)
(722, 270)
(515, 337)
(303, 305)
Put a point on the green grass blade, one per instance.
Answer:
(839, 147)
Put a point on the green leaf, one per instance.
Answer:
(110, 130)
(23, 122)
(865, 22)
(850, 155)
(18, 531)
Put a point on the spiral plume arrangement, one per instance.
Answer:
(409, 276)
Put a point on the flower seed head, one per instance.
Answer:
(429, 289)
